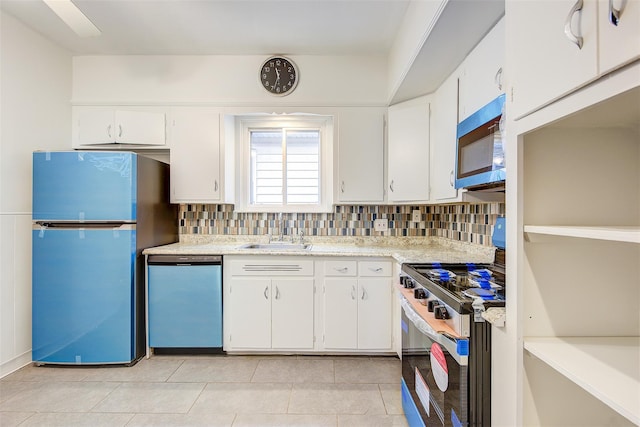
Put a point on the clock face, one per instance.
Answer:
(279, 76)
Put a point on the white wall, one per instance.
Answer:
(35, 113)
(227, 80)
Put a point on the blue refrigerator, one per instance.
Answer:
(93, 214)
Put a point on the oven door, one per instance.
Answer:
(435, 376)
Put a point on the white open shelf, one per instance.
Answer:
(629, 234)
(606, 367)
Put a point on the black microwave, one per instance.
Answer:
(480, 147)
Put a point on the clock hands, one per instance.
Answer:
(277, 78)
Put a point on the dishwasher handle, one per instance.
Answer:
(184, 260)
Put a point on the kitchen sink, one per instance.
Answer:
(277, 246)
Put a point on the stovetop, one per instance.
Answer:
(458, 285)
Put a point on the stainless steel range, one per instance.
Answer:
(446, 343)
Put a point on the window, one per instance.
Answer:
(286, 164)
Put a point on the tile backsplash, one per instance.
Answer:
(471, 223)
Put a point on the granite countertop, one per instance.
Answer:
(401, 249)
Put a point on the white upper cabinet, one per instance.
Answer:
(556, 47)
(360, 155)
(443, 140)
(197, 165)
(97, 126)
(619, 32)
(482, 72)
(408, 151)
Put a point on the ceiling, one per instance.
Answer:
(222, 27)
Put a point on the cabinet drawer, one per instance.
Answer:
(340, 268)
(262, 267)
(374, 268)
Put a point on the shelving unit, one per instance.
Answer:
(580, 279)
(629, 234)
(606, 367)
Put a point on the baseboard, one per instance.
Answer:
(14, 364)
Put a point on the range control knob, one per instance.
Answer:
(407, 282)
(420, 293)
(440, 312)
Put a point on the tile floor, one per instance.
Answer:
(209, 391)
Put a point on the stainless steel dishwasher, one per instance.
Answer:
(184, 303)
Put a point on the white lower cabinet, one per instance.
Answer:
(268, 313)
(249, 308)
(357, 310)
(269, 304)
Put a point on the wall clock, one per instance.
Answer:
(279, 75)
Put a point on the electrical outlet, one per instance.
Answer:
(381, 224)
(415, 215)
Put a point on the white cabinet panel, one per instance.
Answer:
(481, 73)
(545, 63)
(374, 268)
(340, 313)
(408, 157)
(443, 140)
(250, 313)
(266, 310)
(361, 156)
(374, 314)
(292, 313)
(195, 156)
(357, 310)
(341, 268)
(110, 125)
(619, 43)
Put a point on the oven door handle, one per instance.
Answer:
(447, 340)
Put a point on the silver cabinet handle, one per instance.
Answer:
(451, 178)
(498, 78)
(277, 293)
(342, 187)
(376, 270)
(215, 185)
(364, 293)
(119, 131)
(266, 295)
(567, 25)
(342, 270)
(109, 131)
(353, 292)
(614, 14)
(391, 186)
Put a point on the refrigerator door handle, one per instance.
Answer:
(43, 225)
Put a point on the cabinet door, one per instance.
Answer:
(250, 313)
(340, 313)
(292, 313)
(409, 151)
(619, 43)
(95, 126)
(374, 314)
(140, 128)
(545, 64)
(361, 156)
(110, 125)
(481, 72)
(195, 156)
(443, 140)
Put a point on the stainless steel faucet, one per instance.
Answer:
(281, 227)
